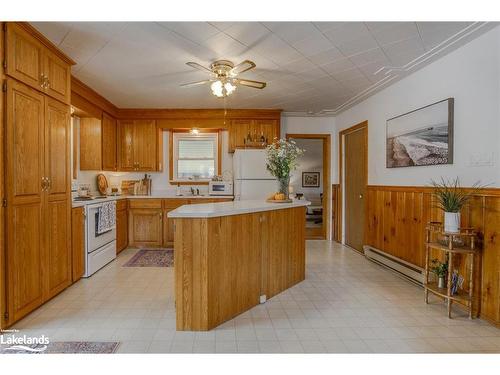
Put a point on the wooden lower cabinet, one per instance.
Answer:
(77, 243)
(145, 222)
(121, 226)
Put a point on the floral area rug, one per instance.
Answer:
(152, 258)
(63, 347)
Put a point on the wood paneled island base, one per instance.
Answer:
(224, 264)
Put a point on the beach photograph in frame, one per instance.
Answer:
(421, 137)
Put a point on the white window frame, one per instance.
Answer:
(177, 136)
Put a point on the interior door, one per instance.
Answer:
(355, 177)
(58, 213)
(24, 171)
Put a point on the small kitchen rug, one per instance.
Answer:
(63, 347)
(152, 258)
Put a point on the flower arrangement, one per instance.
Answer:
(282, 157)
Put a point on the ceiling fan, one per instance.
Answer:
(223, 77)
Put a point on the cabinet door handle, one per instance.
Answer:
(43, 183)
(161, 215)
(49, 183)
(42, 81)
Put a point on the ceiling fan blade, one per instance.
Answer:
(242, 67)
(197, 83)
(250, 83)
(199, 67)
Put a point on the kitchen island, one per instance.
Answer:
(232, 256)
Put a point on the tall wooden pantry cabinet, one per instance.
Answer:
(37, 199)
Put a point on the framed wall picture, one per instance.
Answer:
(310, 179)
(421, 137)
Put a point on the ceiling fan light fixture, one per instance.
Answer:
(222, 89)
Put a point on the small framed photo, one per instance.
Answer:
(310, 179)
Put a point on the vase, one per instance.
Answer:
(441, 283)
(284, 186)
(452, 222)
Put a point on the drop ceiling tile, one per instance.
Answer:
(373, 55)
(326, 57)
(313, 45)
(312, 73)
(222, 26)
(348, 32)
(357, 46)
(297, 66)
(327, 26)
(338, 66)
(248, 33)
(401, 31)
(409, 47)
(224, 45)
(293, 31)
(276, 50)
(55, 31)
(196, 31)
(370, 69)
(434, 33)
(347, 75)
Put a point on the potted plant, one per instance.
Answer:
(441, 270)
(451, 198)
(282, 158)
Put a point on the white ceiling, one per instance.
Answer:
(315, 67)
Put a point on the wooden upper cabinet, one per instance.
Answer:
(239, 130)
(139, 146)
(33, 63)
(109, 143)
(58, 77)
(24, 56)
(90, 144)
(145, 143)
(126, 160)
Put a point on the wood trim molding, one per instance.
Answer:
(91, 100)
(198, 114)
(47, 43)
(429, 189)
(326, 176)
(336, 210)
(171, 155)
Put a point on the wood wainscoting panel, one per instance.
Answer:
(395, 224)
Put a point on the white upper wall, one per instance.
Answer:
(471, 75)
(314, 125)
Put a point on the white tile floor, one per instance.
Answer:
(346, 304)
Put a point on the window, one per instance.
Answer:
(194, 158)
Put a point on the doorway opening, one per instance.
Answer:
(312, 181)
(353, 177)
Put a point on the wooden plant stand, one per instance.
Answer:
(468, 237)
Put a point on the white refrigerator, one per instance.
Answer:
(252, 180)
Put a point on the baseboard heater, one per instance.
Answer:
(407, 270)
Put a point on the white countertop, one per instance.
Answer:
(208, 210)
(153, 196)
